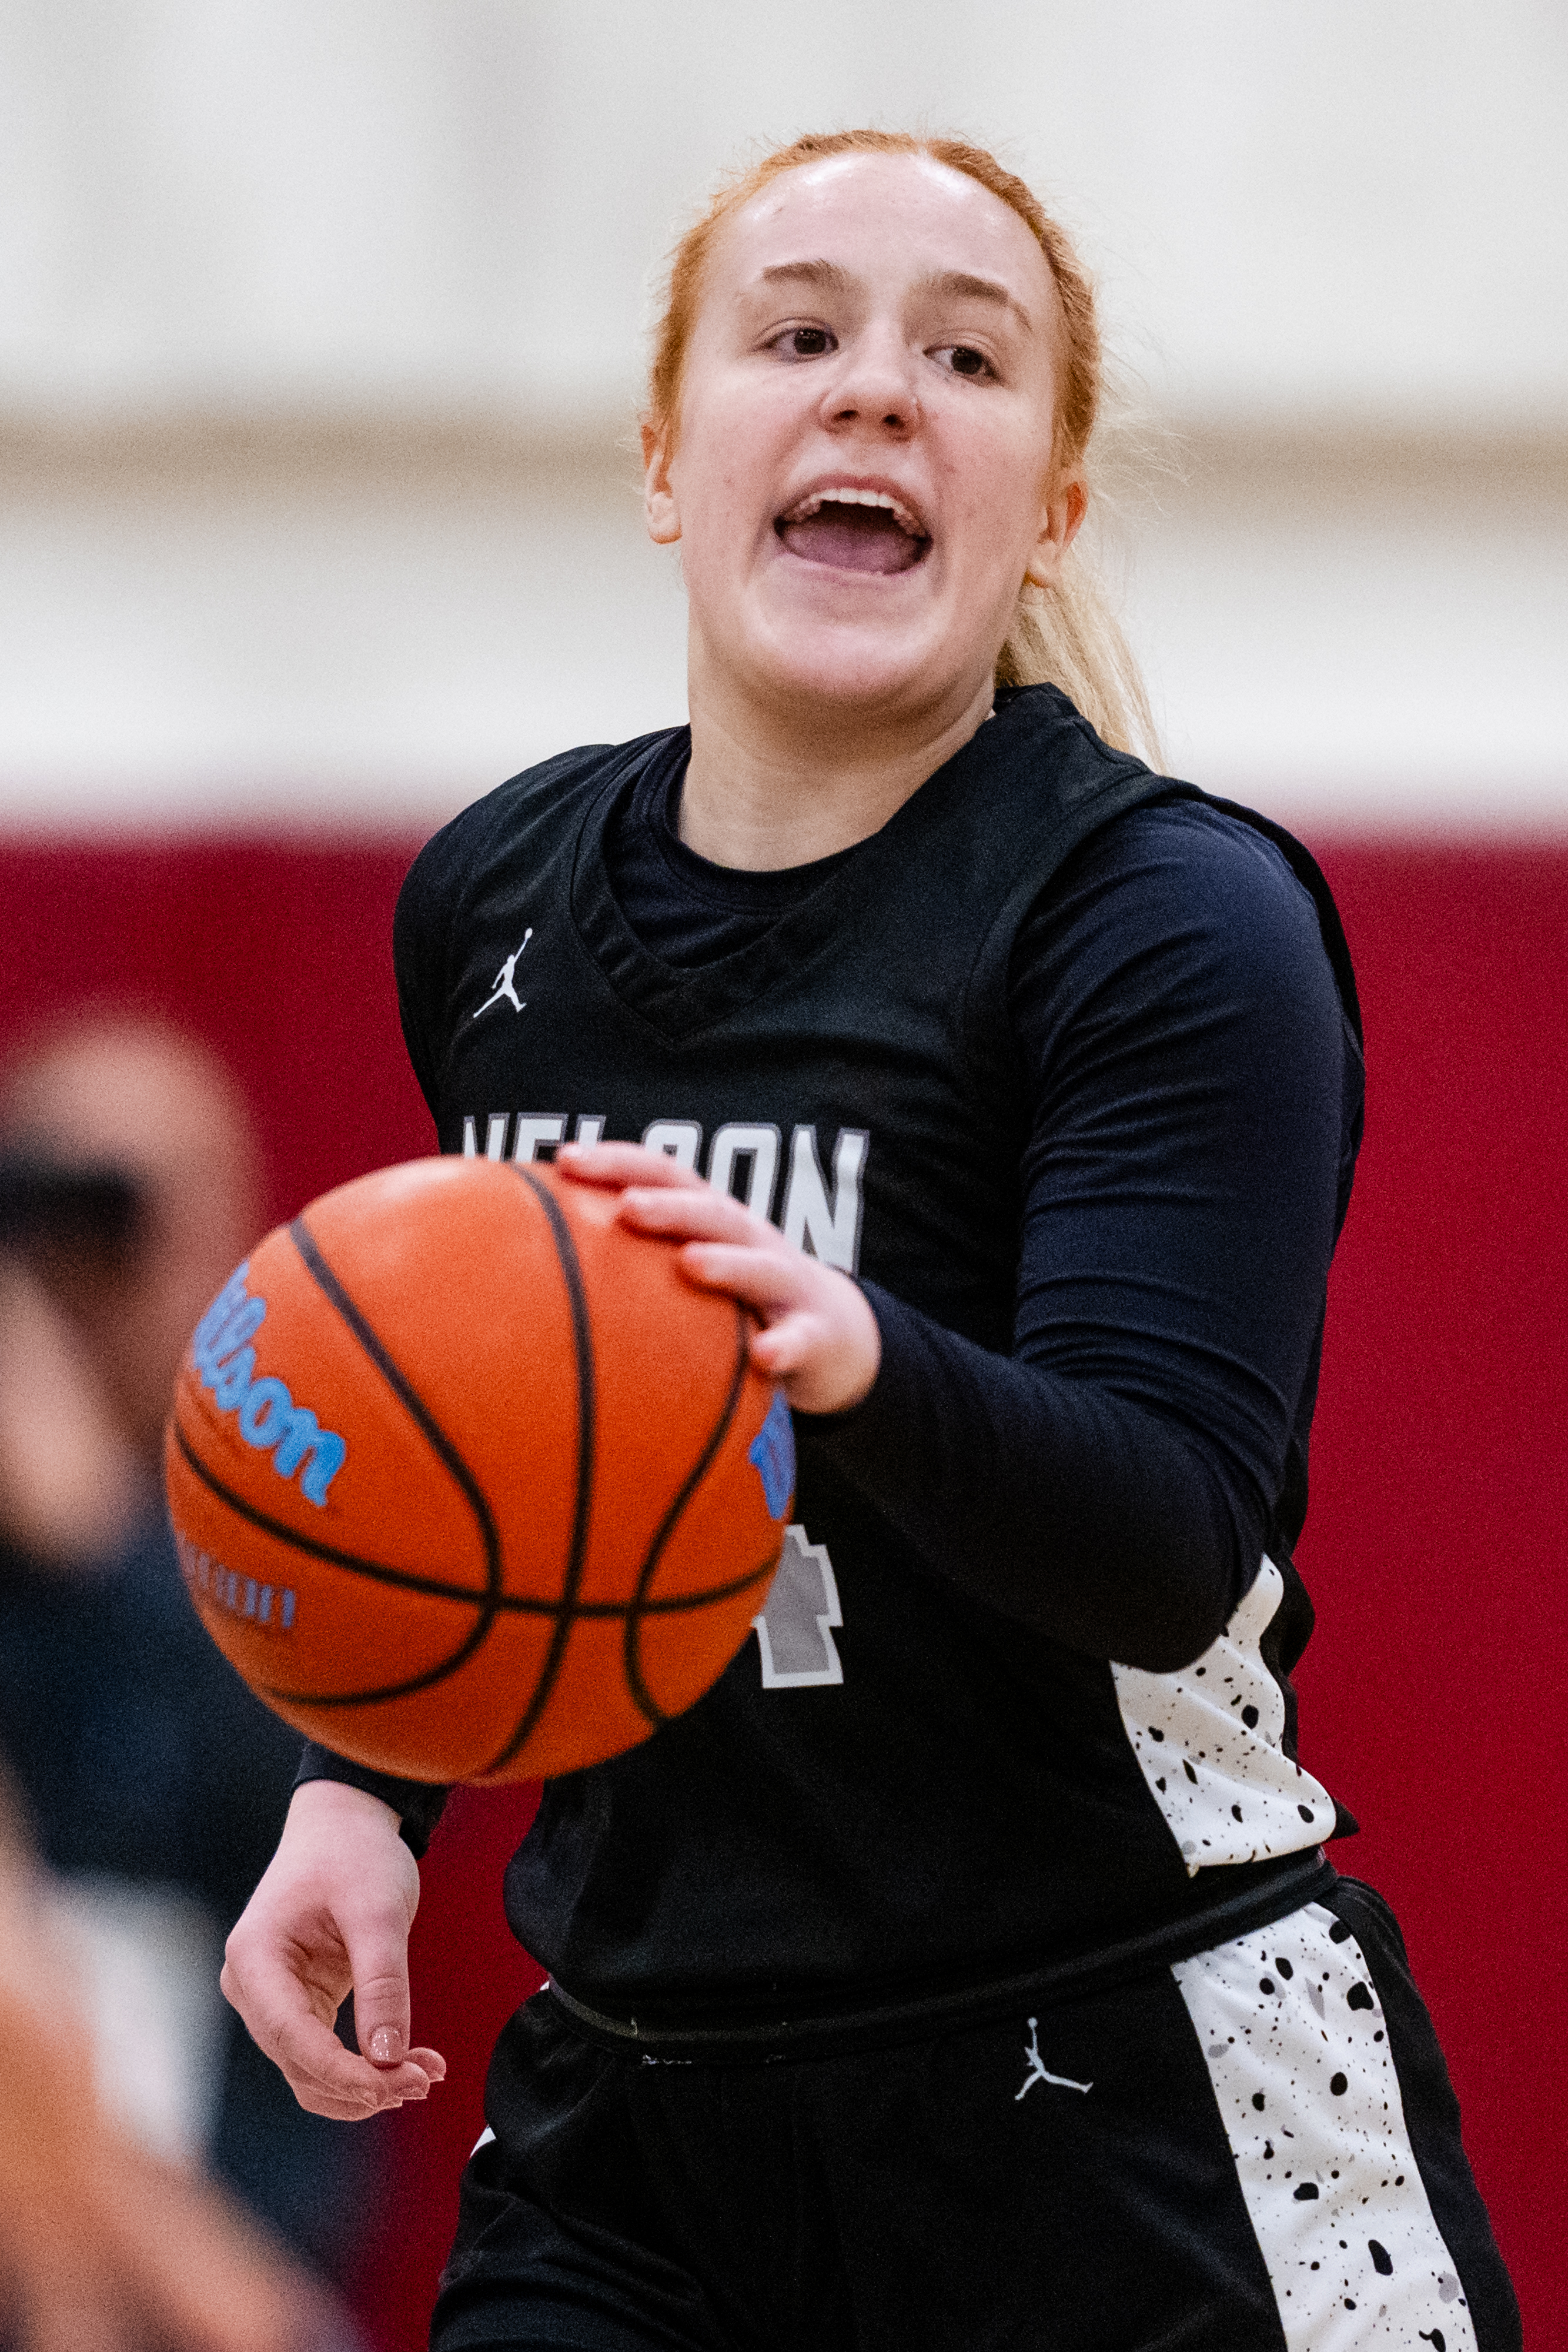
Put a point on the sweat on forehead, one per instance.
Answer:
(947, 233)
(821, 162)
(806, 185)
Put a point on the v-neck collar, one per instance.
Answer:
(1028, 726)
(679, 1004)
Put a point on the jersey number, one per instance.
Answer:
(795, 1627)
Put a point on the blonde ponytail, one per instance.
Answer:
(1068, 636)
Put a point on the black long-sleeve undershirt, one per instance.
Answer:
(1193, 1097)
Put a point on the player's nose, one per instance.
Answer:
(875, 383)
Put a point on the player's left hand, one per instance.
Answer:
(819, 1338)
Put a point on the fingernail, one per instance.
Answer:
(386, 2046)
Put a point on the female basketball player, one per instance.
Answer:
(965, 1967)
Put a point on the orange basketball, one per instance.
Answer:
(468, 1481)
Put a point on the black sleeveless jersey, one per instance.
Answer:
(896, 1792)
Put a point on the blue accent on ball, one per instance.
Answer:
(772, 1450)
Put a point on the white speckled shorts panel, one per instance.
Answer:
(1298, 2052)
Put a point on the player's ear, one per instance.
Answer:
(658, 492)
(1063, 508)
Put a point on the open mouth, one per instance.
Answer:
(855, 530)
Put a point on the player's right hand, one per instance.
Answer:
(332, 1916)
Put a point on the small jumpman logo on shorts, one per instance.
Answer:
(504, 980)
(1037, 2069)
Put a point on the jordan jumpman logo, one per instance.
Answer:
(504, 981)
(1037, 2069)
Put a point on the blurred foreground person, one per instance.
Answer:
(156, 1784)
(105, 2246)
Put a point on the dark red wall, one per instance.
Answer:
(1430, 1697)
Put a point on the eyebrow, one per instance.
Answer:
(979, 290)
(813, 273)
(948, 283)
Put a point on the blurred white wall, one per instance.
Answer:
(320, 328)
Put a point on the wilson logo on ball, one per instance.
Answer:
(268, 1417)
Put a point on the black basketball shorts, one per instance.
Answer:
(1255, 2151)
